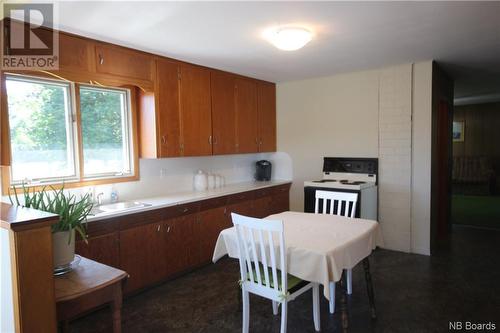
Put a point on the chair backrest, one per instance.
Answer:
(259, 243)
(336, 203)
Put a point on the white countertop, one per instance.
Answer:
(174, 199)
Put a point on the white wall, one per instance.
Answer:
(395, 107)
(6, 296)
(170, 175)
(331, 116)
(365, 114)
(421, 158)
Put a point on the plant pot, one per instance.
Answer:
(63, 252)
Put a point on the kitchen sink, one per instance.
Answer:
(119, 206)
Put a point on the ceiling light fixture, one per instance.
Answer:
(290, 38)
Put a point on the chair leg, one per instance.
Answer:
(369, 287)
(284, 311)
(349, 281)
(343, 305)
(246, 310)
(332, 297)
(275, 308)
(316, 313)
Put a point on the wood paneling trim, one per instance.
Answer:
(17, 218)
(32, 280)
(4, 125)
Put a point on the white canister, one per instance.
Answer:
(219, 181)
(211, 180)
(200, 182)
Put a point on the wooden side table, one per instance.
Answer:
(89, 285)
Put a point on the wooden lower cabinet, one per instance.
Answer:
(167, 244)
(180, 251)
(104, 249)
(208, 227)
(142, 252)
(262, 207)
(242, 208)
(280, 202)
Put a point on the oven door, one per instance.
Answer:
(310, 198)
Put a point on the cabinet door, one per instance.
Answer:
(104, 249)
(115, 60)
(181, 246)
(196, 117)
(168, 127)
(223, 113)
(280, 203)
(246, 116)
(142, 252)
(243, 208)
(266, 106)
(75, 54)
(211, 222)
(262, 207)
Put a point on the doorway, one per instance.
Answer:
(475, 194)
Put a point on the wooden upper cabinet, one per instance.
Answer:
(195, 111)
(167, 108)
(116, 60)
(246, 116)
(266, 106)
(223, 113)
(75, 54)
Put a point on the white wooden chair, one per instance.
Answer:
(260, 244)
(337, 203)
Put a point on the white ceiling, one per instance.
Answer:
(463, 36)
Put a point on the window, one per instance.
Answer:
(44, 131)
(105, 124)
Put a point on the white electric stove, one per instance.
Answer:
(358, 175)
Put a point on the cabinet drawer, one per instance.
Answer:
(281, 188)
(213, 203)
(181, 210)
(133, 220)
(263, 192)
(243, 196)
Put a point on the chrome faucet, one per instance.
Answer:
(99, 198)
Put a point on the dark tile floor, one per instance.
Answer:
(413, 294)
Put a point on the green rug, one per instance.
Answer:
(481, 211)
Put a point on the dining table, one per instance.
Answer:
(319, 247)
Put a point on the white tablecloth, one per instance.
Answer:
(319, 246)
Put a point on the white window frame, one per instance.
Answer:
(75, 141)
(71, 131)
(128, 145)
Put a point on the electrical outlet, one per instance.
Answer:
(163, 173)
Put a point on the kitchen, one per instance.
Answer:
(166, 137)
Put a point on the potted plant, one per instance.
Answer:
(72, 217)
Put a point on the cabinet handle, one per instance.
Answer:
(210, 140)
(163, 140)
(215, 140)
(168, 229)
(185, 210)
(159, 228)
(101, 59)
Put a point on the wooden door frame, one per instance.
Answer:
(442, 94)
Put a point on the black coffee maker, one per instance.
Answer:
(263, 170)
